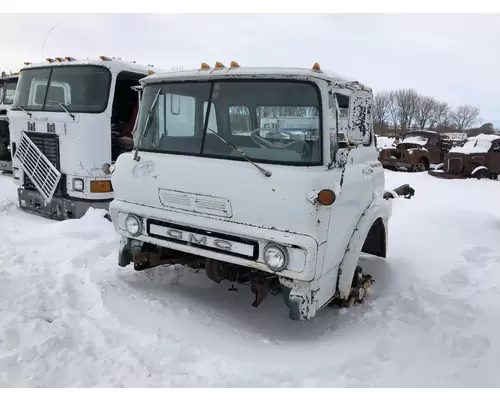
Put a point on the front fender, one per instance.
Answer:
(379, 209)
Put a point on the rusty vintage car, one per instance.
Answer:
(417, 152)
(479, 157)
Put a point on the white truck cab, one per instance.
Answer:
(8, 84)
(70, 120)
(283, 213)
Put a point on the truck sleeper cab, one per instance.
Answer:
(70, 120)
(214, 183)
(8, 84)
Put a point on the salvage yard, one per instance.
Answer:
(72, 318)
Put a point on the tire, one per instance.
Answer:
(419, 167)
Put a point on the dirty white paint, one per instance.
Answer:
(360, 117)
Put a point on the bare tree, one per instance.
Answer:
(464, 116)
(487, 128)
(440, 115)
(405, 105)
(382, 105)
(393, 111)
(424, 111)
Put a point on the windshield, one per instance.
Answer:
(270, 121)
(9, 92)
(416, 138)
(81, 89)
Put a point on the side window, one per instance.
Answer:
(56, 93)
(161, 121)
(240, 120)
(10, 93)
(176, 115)
(175, 104)
(39, 95)
(433, 140)
(334, 135)
(212, 118)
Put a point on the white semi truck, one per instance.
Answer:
(8, 84)
(282, 213)
(70, 120)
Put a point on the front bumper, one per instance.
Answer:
(392, 163)
(303, 249)
(60, 208)
(445, 175)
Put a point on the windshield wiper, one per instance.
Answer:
(264, 171)
(146, 125)
(22, 109)
(63, 107)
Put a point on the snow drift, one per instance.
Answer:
(72, 318)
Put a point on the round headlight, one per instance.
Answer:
(133, 225)
(276, 257)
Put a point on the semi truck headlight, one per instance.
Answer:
(78, 185)
(276, 257)
(16, 173)
(133, 225)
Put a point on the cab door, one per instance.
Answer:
(353, 174)
(434, 148)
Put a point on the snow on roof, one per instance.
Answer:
(9, 77)
(477, 144)
(211, 73)
(420, 140)
(421, 131)
(113, 64)
(484, 136)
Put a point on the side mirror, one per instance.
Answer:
(359, 126)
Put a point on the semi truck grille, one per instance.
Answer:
(39, 155)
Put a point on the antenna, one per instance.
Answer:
(43, 44)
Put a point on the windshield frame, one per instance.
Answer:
(49, 81)
(211, 82)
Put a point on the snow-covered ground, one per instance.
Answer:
(71, 317)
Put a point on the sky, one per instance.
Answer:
(452, 57)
